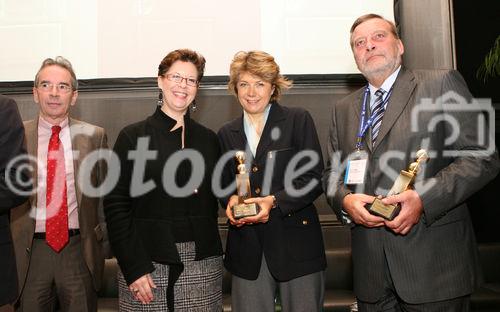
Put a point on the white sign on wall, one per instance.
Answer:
(128, 38)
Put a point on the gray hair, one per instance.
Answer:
(62, 62)
(370, 16)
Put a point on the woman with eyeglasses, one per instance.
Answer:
(162, 215)
(280, 248)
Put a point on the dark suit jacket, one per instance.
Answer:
(437, 259)
(11, 144)
(85, 139)
(291, 240)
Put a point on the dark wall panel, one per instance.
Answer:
(114, 109)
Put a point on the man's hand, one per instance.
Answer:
(265, 204)
(354, 205)
(411, 210)
(141, 288)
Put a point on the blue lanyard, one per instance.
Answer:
(362, 125)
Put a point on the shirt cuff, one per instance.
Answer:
(345, 217)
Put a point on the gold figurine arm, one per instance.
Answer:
(422, 157)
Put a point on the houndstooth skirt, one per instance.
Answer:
(198, 289)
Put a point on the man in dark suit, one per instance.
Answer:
(11, 194)
(426, 257)
(57, 234)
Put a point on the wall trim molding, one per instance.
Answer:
(208, 82)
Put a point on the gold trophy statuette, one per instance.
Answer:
(402, 183)
(241, 209)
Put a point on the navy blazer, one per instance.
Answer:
(291, 240)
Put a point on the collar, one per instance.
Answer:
(165, 122)
(252, 138)
(387, 85)
(45, 125)
(246, 122)
(275, 114)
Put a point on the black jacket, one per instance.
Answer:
(144, 228)
(11, 145)
(291, 240)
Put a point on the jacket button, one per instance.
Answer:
(28, 250)
(195, 191)
(255, 169)
(257, 191)
(304, 222)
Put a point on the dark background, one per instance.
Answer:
(476, 28)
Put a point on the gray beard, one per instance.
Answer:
(382, 71)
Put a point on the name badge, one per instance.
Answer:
(356, 169)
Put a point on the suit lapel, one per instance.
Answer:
(79, 144)
(276, 116)
(239, 133)
(356, 111)
(31, 132)
(402, 91)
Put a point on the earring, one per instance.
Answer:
(160, 98)
(193, 106)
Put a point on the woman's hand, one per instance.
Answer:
(265, 204)
(141, 288)
(233, 200)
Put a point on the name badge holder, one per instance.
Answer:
(358, 160)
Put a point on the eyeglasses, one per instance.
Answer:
(61, 87)
(178, 79)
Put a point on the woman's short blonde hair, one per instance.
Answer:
(260, 64)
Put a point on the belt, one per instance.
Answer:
(71, 232)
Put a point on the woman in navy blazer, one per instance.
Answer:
(282, 246)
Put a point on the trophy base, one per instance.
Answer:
(245, 210)
(388, 212)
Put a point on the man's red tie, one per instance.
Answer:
(56, 224)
